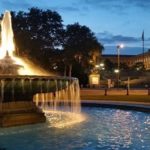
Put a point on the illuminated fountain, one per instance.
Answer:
(22, 85)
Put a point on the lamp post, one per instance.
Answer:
(118, 62)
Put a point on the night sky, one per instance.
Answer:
(112, 21)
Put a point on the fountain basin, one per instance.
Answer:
(24, 87)
(20, 113)
(22, 95)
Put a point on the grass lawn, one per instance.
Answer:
(130, 98)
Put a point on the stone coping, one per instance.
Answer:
(36, 77)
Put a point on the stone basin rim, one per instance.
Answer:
(115, 105)
(36, 77)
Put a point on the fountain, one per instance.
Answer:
(27, 92)
(31, 95)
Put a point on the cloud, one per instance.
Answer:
(44, 4)
(110, 39)
(116, 3)
(118, 6)
(65, 8)
(144, 4)
(125, 38)
(15, 4)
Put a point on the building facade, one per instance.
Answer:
(130, 60)
(145, 58)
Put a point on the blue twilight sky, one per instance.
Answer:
(112, 21)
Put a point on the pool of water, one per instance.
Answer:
(103, 129)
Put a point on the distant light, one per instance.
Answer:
(101, 64)
(116, 70)
(55, 67)
(120, 46)
(97, 66)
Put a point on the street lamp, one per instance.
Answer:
(120, 46)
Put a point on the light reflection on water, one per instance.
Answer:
(104, 129)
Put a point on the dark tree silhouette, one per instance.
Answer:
(79, 45)
(37, 33)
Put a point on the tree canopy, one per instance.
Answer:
(80, 44)
(37, 31)
(80, 40)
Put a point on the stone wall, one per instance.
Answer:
(20, 113)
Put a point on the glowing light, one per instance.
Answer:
(94, 79)
(116, 70)
(101, 65)
(120, 46)
(96, 66)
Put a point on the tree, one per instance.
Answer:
(109, 65)
(137, 69)
(37, 33)
(139, 66)
(79, 45)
